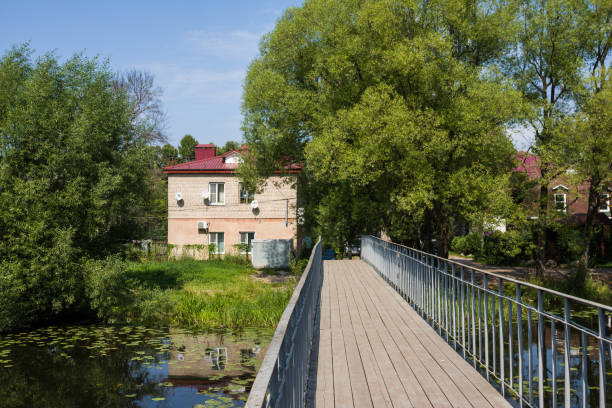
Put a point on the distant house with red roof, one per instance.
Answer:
(567, 197)
(207, 204)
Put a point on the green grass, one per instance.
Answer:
(206, 294)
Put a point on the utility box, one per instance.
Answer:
(271, 253)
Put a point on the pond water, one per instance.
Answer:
(128, 366)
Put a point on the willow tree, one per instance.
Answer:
(396, 108)
(74, 171)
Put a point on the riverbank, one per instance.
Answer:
(191, 294)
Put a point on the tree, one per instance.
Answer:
(228, 146)
(168, 153)
(395, 108)
(588, 146)
(74, 171)
(186, 147)
(553, 42)
(146, 107)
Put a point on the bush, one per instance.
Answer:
(297, 266)
(506, 248)
(469, 244)
(108, 288)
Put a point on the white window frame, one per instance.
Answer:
(555, 195)
(245, 234)
(605, 201)
(216, 241)
(564, 194)
(213, 187)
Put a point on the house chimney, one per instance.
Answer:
(205, 151)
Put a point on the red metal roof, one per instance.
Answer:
(529, 163)
(214, 164)
(206, 145)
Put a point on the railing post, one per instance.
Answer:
(519, 329)
(501, 337)
(485, 286)
(602, 357)
(541, 350)
(437, 291)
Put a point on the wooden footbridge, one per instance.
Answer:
(402, 328)
(376, 351)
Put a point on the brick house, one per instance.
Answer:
(568, 198)
(207, 204)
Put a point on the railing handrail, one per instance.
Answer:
(488, 326)
(258, 394)
(504, 278)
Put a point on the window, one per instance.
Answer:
(246, 196)
(218, 239)
(217, 193)
(246, 238)
(604, 202)
(560, 202)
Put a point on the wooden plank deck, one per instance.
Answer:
(376, 351)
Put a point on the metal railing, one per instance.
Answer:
(492, 321)
(282, 378)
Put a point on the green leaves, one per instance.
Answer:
(394, 107)
(74, 171)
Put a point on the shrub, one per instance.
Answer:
(107, 287)
(469, 244)
(506, 248)
(297, 266)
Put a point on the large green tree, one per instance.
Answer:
(73, 173)
(586, 147)
(395, 107)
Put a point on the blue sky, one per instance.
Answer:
(198, 50)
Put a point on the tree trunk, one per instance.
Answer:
(542, 236)
(587, 235)
(443, 231)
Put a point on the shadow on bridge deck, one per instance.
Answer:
(376, 351)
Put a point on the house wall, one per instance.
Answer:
(272, 220)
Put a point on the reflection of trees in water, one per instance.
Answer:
(41, 377)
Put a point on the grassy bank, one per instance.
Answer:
(190, 294)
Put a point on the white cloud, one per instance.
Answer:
(243, 45)
(181, 81)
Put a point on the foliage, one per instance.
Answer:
(169, 153)
(469, 244)
(506, 248)
(186, 147)
(75, 169)
(107, 287)
(228, 146)
(212, 250)
(394, 108)
(186, 293)
(297, 266)
(586, 147)
(560, 59)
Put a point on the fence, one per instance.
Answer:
(492, 320)
(283, 375)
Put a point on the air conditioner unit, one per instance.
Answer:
(206, 194)
(202, 225)
(178, 196)
(254, 204)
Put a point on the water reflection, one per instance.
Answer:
(126, 366)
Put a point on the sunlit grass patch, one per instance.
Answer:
(205, 294)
